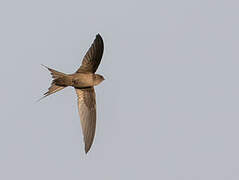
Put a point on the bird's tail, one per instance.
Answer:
(53, 88)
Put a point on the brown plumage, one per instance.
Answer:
(83, 81)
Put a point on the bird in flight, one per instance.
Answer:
(83, 80)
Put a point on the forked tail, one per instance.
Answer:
(53, 88)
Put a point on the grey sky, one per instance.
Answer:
(167, 110)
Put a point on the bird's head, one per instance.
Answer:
(98, 79)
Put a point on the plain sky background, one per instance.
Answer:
(168, 109)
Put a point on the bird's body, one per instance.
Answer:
(79, 80)
(83, 80)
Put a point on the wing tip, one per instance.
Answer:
(99, 36)
(86, 149)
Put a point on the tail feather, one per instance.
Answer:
(53, 88)
(55, 74)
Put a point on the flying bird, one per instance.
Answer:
(83, 80)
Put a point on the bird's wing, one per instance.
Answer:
(87, 111)
(93, 56)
